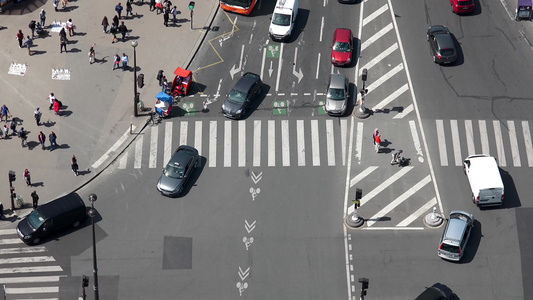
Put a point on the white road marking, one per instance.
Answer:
(391, 97)
(33, 269)
(114, 148)
(528, 143)
(242, 143)
(184, 131)
(30, 279)
(271, 143)
(416, 141)
(167, 150)
(456, 143)
(374, 85)
(418, 213)
(359, 142)
(10, 241)
(484, 137)
(315, 143)
(29, 259)
(152, 161)
(22, 250)
(317, 66)
(376, 36)
(330, 142)
(8, 231)
(375, 14)
(280, 62)
(227, 143)
(470, 137)
(321, 29)
(285, 144)
(411, 191)
(123, 161)
(138, 152)
(300, 142)
(514, 144)
(362, 175)
(263, 61)
(212, 144)
(257, 143)
(32, 290)
(404, 112)
(442, 143)
(198, 136)
(499, 143)
(380, 57)
(344, 132)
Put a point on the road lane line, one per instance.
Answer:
(30, 279)
(456, 142)
(317, 66)
(499, 143)
(212, 144)
(152, 161)
(404, 112)
(198, 139)
(442, 143)
(469, 130)
(184, 131)
(359, 142)
(484, 137)
(411, 191)
(29, 259)
(321, 30)
(263, 60)
(374, 85)
(227, 144)
(300, 142)
(379, 58)
(418, 213)
(271, 143)
(167, 151)
(257, 143)
(315, 143)
(514, 144)
(375, 14)
(376, 36)
(528, 143)
(391, 97)
(285, 144)
(34, 269)
(280, 61)
(138, 153)
(344, 132)
(242, 143)
(330, 142)
(362, 175)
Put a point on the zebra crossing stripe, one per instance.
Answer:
(8, 231)
(34, 269)
(418, 213)
(385, 184)
(227, 143)
(416, 140)
(383, 212)
(29, 259)
(198, 137)
(484, 137)
(443, 154)
(499, 143)
(152, 161)
(397, 93)
(470, 137)
(376, 36)
(242, 143)
(404, 112)
(330, 142)
(123, 161)
(528, 143)
(212, 144)
(257, 143)
(374, 85)
(344, 132)
(22, 250)
(271, 143)
(138, 153)
(456, 143)
(379, 58)
(184, 126)
(167, 150)
(359, 142)
(10, 241)
(300, 142)
(514, 144)
(362, 175)
(285, 145)
(32, 290)
(315, 143)
(375, 14)
(30, 279)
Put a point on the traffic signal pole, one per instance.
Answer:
(12, 189)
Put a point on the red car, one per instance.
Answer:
(342, 46)
(462, 6)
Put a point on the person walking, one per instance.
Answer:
(115, 21)
(62, 44)
(116, 61)
(128, 9)
(158, 6)
(105, 23)
(91, 54)
(165, 85)
(123, 30)
(376, 132)
(42, 17)
(6, 131)
(55, 3)
(5, 112)
(42, 139)
(113, 30)
(35, 199)
(377, 143)
(174, 13)
(52, 138)
(70, 27)
(20, 37)
(165, 18)
(23, 137)
(152, 5)
(37, 115)
(74, 164)
(160, 77)
(13, 127)
(27, 177)
(52, 98)
(118, 10)
(64, 4)
(124, 62)
(28, 43)
(32, 28)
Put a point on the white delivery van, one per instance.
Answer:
(282, 21)
(485, 179)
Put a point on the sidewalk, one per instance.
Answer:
(98, 102)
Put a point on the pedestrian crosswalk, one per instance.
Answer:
(509, 141)
(27, 272)
(244, 143)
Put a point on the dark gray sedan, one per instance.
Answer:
(337, 95)
(178, 171)
(245, 91)
(441, 44)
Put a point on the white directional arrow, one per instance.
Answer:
(249, 227)
(243, 274)
(298, 74)
(234, 70)
(257, 177)
(270, 70)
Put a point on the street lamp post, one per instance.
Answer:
(92, 214)
(135, 95)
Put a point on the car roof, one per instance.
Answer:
(63, 204)
(337, 81)
(246, 82)
(182, 155)
(342, 34)
(445, 41)
(438, 29)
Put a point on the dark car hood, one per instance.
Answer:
(169, 184)
(25, 228)
(231, 107)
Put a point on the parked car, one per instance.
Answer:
(455, 236)
(462, 6)
(441, 44)
(337, 94)
(342, 47)
(438, 291)
(245, 91)
(177, 171)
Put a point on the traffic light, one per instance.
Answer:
(191, 5)
(364, 286)
(140, 81)
(11, 176)
(84, 281)
(358, 194)
(364, 74)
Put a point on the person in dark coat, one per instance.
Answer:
(165, 18)
(35, 199)
(105, 23)
(152, 5)
(115, 21)
(123, 30)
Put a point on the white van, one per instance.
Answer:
(485, 179)
(282, 21)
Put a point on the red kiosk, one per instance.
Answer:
(181, 83)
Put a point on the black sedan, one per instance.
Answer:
(245, 91)
(178, 171)
(441, 44)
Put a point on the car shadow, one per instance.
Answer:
(511, 198)
(265, 88)
(299, 25)
(460, 55)
(473, 244)
(198, 170)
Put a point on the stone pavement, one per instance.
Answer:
(98, 102)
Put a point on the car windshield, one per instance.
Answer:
(446, 52)
(467, 2)
(174, 171)
(449, 248)
(281, 19)
(242, 3)
(335, 94)
(35, 219)
(237, 96)
(341, 47)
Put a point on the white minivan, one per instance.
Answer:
(485, 179)
(283, 18)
